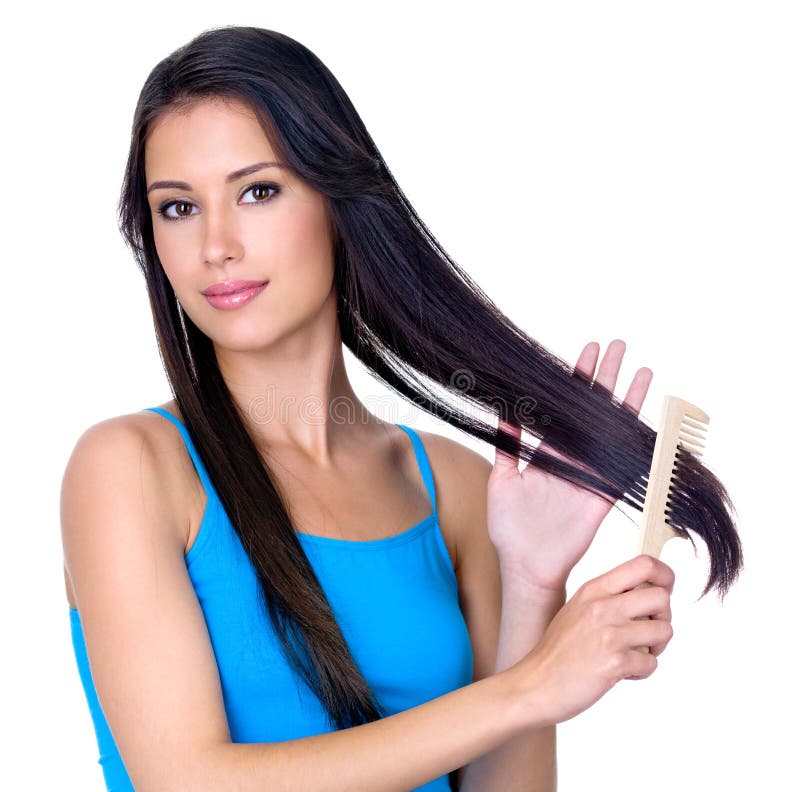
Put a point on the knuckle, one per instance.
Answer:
(586, 590)
(607, 637)
(662, 597)
(617, 666)
(644, 665)
(597, 611)
(647, 563)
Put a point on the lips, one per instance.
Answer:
(236, 299)
(231, 287)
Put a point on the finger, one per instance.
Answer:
(649, 603)
(640, 569)
(653, 633)
(658, 648)
(502, 460)
(641, 664)
(587, 360)
(641, 603)
(609, 366)
(634, 398)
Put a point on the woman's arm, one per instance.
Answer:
(154, 669)
(156, 678)
(527, 762)
(395, 754)
(505, 615)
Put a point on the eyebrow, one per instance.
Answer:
(231, 177)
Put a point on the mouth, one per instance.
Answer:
(229, 300)
(232, 287)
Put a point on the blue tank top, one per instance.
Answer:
(395, 599)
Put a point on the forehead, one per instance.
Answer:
(206, 134)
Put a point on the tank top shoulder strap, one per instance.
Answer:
(422, 462)
(190, 447)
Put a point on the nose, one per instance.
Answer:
(221, 240)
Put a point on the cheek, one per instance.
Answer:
(168, 248)
(290, 245)
(300, 249)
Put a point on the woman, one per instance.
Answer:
(249, 607)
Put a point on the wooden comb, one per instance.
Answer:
(682, 424)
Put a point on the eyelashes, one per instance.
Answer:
(162, 210)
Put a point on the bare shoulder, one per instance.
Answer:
(137, 447)
(123, 441)
(140, 429)
(149, 445)
(461, 476)
(156, 679)
(455, 458)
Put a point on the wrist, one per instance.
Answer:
(529, 586)
(528, 706)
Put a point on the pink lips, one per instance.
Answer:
(233, 294)
(227, 287)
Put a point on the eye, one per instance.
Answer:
(260, 187)
(162, 210)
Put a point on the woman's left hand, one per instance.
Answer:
(541, 525)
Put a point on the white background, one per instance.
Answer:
(604, 170)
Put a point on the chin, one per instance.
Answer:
(246, 339)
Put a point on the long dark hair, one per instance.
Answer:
(409, 313)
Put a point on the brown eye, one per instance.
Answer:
(183, 209)
(261, 192)
(180, 208)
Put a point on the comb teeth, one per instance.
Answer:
(682, 426)
(692, 429)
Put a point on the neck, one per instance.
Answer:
(296, 395)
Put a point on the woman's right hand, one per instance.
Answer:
(591, 642)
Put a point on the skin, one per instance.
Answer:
(567, 516)
(285, 346)
(541, 526)
(280, 354)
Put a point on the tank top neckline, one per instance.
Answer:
(422, 463)
(432, 520)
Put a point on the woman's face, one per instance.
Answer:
(266, 225)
